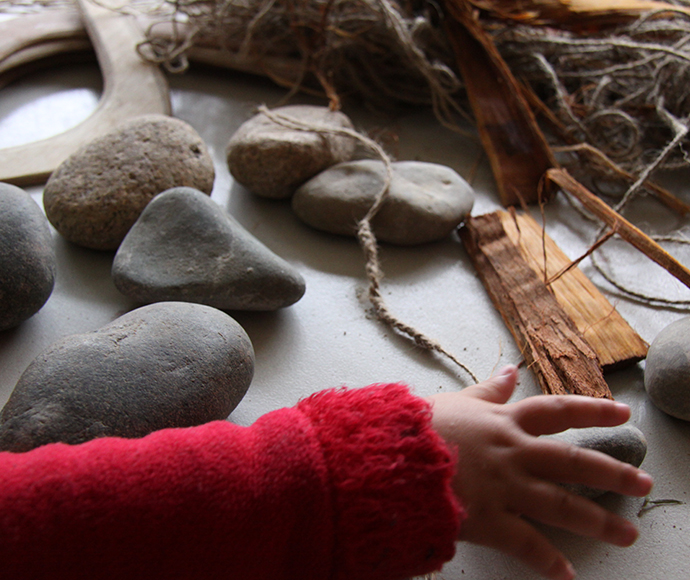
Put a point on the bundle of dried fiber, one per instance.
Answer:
(622, 90)
(377, 50)
(612, 74)
(619, 87)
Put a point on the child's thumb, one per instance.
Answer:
(498, 388)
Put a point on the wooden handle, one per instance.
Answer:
(132, 87)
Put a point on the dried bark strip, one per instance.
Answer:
(552, 346)
(601, 325)
(619, 224)
(575, 13)
(517, 149)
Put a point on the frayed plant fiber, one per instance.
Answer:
(622, 90)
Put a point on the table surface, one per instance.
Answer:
(329, 338)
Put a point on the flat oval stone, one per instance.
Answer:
(27, 257)
(425, 201)
(624, 442)
(185, 247)
(272, 161)
(97, 193)
(667, 369)
(171, 364)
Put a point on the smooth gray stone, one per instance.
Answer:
(425, 202)
(272, 161)
(624, 442)
(171, 364)
(97, 193)
(185, 247)
(27, 257)
(667, 369)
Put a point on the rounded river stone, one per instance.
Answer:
(272, 161)
(667, 369)
(185, 247)
(27, 257)
(164, 365)
(425, 201)
(97, 193)
(624, 442)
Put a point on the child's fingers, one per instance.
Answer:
(562, 462)
(555, 506)
(515, 537)
(547, 414)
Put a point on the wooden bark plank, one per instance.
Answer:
(602, 326)
(550, 342)
(517, 150)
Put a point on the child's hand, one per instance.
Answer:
(507, 476)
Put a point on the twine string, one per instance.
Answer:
(366, 236)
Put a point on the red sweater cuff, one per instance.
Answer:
(397, 514)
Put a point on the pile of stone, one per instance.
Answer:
(331, 191)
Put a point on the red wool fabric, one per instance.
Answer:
(347, 484)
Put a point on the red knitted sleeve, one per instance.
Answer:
(349, 484)
(396, 514)
(212, 502)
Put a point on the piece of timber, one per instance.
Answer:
(602, 326)
(514, 144)
(549, 340)
(132, 88)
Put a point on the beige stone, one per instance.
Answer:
(96, 195)
(425, 201)
(273, 161)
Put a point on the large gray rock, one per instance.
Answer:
(163, 365)
(185, 247)
(425, 201)
(27, 257)
(272, 160)
(667, 369)
(624, 442)
(96, 194)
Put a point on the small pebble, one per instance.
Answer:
(97, 193)
(27, 257)
(185, 247)
(171, 364)
(425, 201)
(667, 369)
(624, 442)
(272, 161)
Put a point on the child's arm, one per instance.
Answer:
(505, 472)
(348, 484)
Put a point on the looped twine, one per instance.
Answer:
(366, 236)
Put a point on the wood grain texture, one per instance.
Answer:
(517, 150)
(132, 88)
(549, 340)
(602, 326)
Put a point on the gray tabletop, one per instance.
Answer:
(329, 337)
